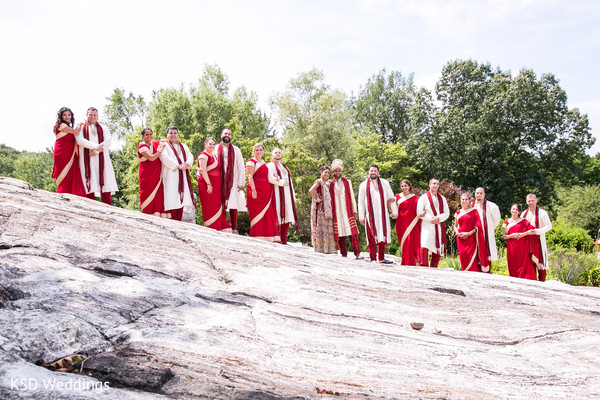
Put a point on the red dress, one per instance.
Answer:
(471, 250)
(519, 252)
(408, 229)
(152, 196)
(263, 216)
(66, 163)
(212, 207)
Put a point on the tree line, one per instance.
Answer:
(481, 126)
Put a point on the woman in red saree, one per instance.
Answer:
(152, 199)
(66, 154)
(521, 248)
(261, 202)
(209, 188)
(469, 237)
(408, 224)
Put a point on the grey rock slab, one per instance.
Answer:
(167, 309)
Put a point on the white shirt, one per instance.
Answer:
(288, 193)
(110, 182)
(545, 226)
(363, 207)
(493, 219)
(239, 173)
(428, 228)
(341, 212)
(170, 176)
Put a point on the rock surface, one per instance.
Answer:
(166, 309)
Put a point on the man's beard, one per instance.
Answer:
(374, 177)
(226, 139)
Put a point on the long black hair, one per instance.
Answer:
(60, 120)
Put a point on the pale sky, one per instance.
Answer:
(75, 52)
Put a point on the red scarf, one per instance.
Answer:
(537, 225)
(226, 175)
(351, 220)
(442, 225)
(485, 226)
(187, 175)
(86, 155)
(282, 196)
(371, 226)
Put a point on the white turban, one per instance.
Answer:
(337, 163)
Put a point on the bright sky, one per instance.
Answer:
(75, 52)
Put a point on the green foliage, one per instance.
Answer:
(383, 106)
(564, 235)
(36, 168)
(580, 205)
(574, 268)
(207, 108)
(316, 122)
(511, 135)
(125, 112)
(8, 155)
(391, 158)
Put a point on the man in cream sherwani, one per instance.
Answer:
(375, 198)
(540, 219)
(176, 161)
(285, 197)
(433, 210)
(489, 213)
(95, 165)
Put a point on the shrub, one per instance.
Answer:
(574, 268)
(566, 236)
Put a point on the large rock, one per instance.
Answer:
(166, 309)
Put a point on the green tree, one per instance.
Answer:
(8, 155)
(580, 205)
(36, 168)
(383, 106)
(511, 135)
(200, 110)
(125, 112)
(316, 124)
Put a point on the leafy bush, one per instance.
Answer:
(574, 268)
(566, 236)
(580, 205)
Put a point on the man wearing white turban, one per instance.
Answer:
(343, 208)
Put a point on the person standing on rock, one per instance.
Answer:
(522, 245)
(489, 214)
(433, 210)
(261, 207)
(285, 196)
(209, 188)
(470, 242)
(95, 165)
(66, 153)
(540, 219)
(152, 200)
(343, 209)
(408, 225)
(375, 198)
(233, 176)
(321, 220)
(177, 160)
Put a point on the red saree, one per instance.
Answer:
(263, 216)
(66, 164)
(212, 207)
(519, 252)
(471, 250)
(152, 198)
(408, 229)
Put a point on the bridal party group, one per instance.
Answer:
(228, 185)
